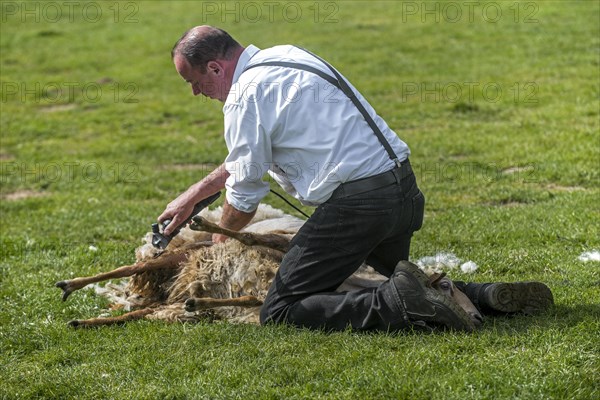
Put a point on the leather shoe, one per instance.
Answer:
(421, 304)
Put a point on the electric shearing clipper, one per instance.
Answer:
(160, 240)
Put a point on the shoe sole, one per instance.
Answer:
(526, 297)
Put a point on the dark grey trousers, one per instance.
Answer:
(375, 226)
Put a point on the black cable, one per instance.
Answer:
(290, 204)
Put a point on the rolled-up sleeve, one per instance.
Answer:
(249, 157)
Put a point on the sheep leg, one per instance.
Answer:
(121, 319)
(204, 303)
(272, 240)
(167, 260)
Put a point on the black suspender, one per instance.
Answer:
(341, 84)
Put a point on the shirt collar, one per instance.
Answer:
(246, 55)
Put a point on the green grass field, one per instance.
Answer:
(499, 102)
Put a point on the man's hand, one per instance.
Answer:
(180, 209)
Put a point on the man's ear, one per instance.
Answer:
(215, 67)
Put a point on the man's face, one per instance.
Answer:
(209, 84)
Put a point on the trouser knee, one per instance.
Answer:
(269, 315)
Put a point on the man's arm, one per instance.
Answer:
(232, 219)
(181, 208)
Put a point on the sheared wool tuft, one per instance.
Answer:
(119, 295)
(438, 263)
(469, 267)
(443, 262)
(593, 255)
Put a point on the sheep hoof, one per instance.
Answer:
(256, 303)
(197, 223)
(66, 288)
(190, 305)
(74, 324)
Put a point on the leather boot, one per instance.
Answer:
(518, 297)
(420, 304)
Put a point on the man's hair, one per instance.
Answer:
(199, 49)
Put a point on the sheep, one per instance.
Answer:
(195, 279)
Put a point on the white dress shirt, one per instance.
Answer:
(303, 131)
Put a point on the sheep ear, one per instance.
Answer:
(436, 277)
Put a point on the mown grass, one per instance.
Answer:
(511, 182)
